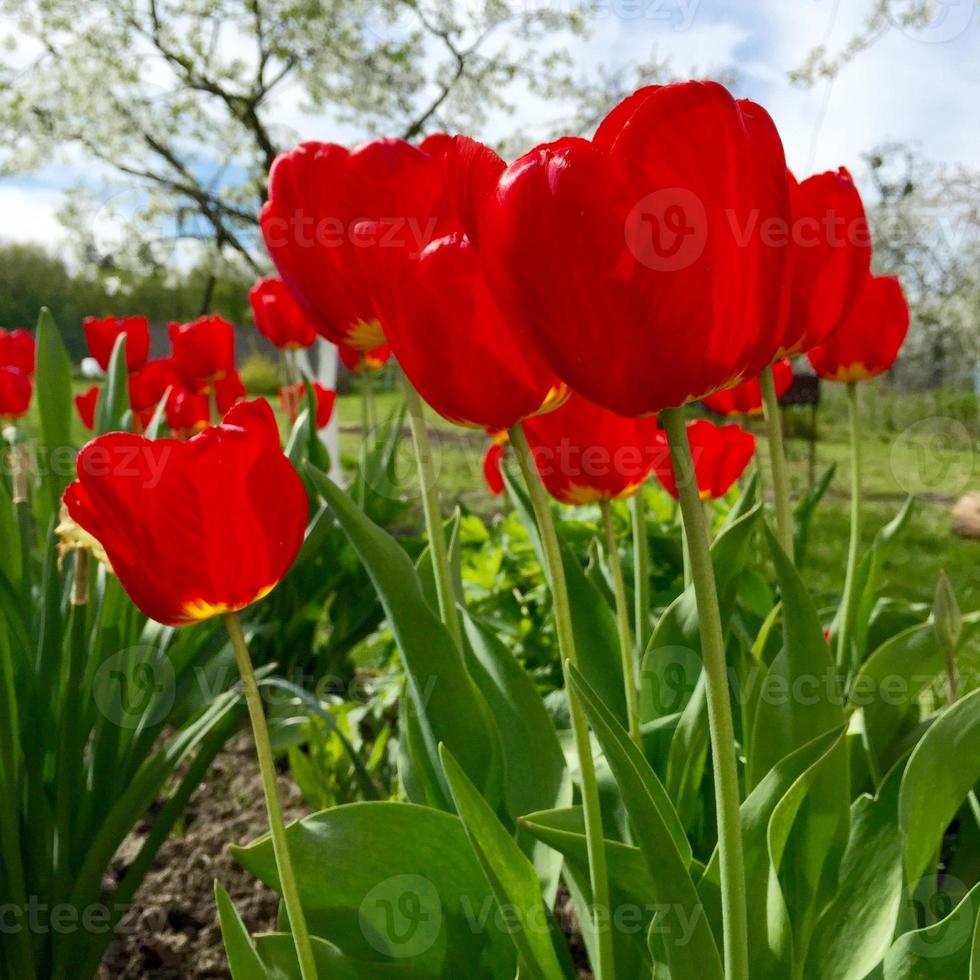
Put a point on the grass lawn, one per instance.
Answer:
(909, 447)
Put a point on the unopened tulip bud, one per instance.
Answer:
(946, 614)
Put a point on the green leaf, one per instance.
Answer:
(856, 930)
(450, 706)
(397, 881)
(593, 621)
(799, 698)
(946, 950)
(891, 679)
(869, 574)
(278, 952)
(510, 875)
(243, 960)
(677, 634)
(54, 400)
(770, 941)
(10, 563)
(803, 513)
(113, 400)
(629, 884)
(427, 575)
(533, 780)
(941, 771)
(661, 839)
(807, 836)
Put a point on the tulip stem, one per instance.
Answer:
(555, 571)
(733, 901)
(623, 620)
(277, 826)
(777, 460)
(849, 600)
(445, 592)
(641, 573)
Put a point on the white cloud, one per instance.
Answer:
(27, 214)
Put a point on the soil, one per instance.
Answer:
(171, 933)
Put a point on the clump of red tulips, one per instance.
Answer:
(786, 813)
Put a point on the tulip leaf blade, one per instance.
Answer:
(54, 399)
(800, 697)
(510, 876)
(113, 400)
(449, 705)
(357, 864)
(537, 780)
(593, 622)
(933, 789)
(243, 960)
(946, 950)
(854, 932)
(661, 840)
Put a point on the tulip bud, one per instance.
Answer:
(946, 615)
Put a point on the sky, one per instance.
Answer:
(920, 84)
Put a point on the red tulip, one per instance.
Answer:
(586, 453)
(293, 398)
(228, 391)
(368, 360)
(278, 316)
(194, 529)
(720, 453)
(320, 194)
(17, 350)
(493, 462)
(641, 265)
(15, 392)
(204, 350)
(101, 334)
(148, 386)
(868, 341)
(830, 257)
(455, 345)
(85, 406)
(746, 398)
(188, 413)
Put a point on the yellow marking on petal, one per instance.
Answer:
(705, 494)
(853, 372)
(197, 610)
(555, 398)
(577, 495)
(365, 335)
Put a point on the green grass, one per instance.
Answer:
(914, 444)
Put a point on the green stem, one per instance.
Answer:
(641, 572)
(849, 600)
(623, 621)
(733, 901)
(267, 766)
(604, 968)
(445, 592)
(368, 390)
(777, 460)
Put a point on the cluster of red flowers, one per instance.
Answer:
(671, 258)
(17, 357)
(198, 374)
